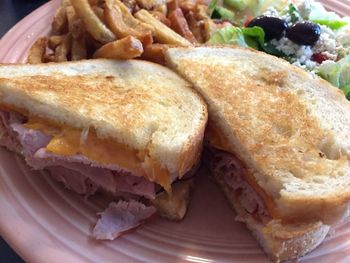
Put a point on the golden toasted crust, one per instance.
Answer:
(290, 128)
(280, 241)
(140, 104)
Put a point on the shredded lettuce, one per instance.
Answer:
(337, 73)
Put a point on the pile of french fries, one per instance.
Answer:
(122, 29)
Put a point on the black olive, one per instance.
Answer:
(273, 27)
(304, 33)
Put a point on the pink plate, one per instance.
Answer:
(45, 223)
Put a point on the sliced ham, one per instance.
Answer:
(121, 217)
(110, 180)
(73, 180)
(76, 172)
(226, 167)
(30, 140)
(8, 137)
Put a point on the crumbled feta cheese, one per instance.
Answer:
(305, 8)
(332, 45)
(271, 11)
(285, 45)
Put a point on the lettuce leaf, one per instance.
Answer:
(333, 24)
(318, 14)
(219, 12)
(254, 36)
(228, 35)
(337, 73)
(236, 4)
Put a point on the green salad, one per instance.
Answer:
(301, 31)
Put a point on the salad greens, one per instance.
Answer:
(330, 58)
(244, 37)
(293, 12)
(332, 24)
(337, 73)
(318, 14)
(253, 37)
(228, 35)
(236, 4)
(219, 12)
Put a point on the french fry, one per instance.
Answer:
(55, 41)
(131, 5)
(179, 25)
(126, 48)
(99, 12)
(59, 23)
(62, 51)
(129, 19)
(93, 2)
(37, 51)
(49, 58)
(172, 5)
(66, 3)
(188, 5)
(115, 19)
(202, 12)
(161, 8)
(75, 24)
(163, 33)
(162, 18)
(155, 53)
(149, 4)
(78, 51)
(92, 23)
(195, 26)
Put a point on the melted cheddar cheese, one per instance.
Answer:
(216, 140)
(70, 141)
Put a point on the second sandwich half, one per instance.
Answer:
(129, 128)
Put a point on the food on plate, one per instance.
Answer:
(37, 51)
(123, 24)
(130, 128)
(302, 32)
(277, 141)
(125, 48)
(93, 24)
(164, 34)
(81, 27)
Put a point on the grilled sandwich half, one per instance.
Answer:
(130, 128)
(278, 143)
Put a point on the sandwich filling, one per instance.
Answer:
(86, 164)
(229, 170)
(68, 141)
(77, 171)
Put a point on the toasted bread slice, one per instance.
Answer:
(280, 241)
(289, 128)
(142, 106)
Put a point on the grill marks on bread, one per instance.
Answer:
(285, 126)
(141, 105)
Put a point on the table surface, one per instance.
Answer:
(11, 11)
